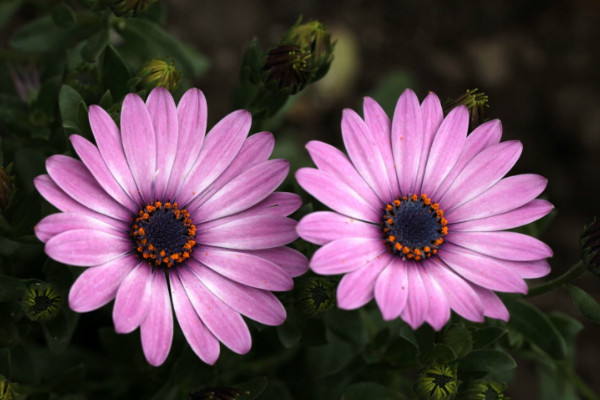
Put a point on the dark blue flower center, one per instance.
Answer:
(163, 234)
(413, 227)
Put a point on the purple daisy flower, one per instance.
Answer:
(165, 216)
(419, 213)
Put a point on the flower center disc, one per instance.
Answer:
(163, 234)
(413, 227)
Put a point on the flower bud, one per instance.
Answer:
(288, 67)
(6, 389)
(41, 302)
(7, 187)
(218, 393)
(86, 80)
(476, 103)
(437, 382)
(312, 36)
(129, 8)
(590, 246)
(315, 295)
(484, 390)
(159, 72)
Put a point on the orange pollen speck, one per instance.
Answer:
(142, 232)
(403, 233)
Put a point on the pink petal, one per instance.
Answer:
(446, 148)
(225, 323)
(335, 163)
(484, 170)
(357, 288)
(291, 261)
(407, 140)
(432, 114)
(392, 289)
(481, 270)
(157, 329)
(55, 224)
(75, 180)
(504, 245)
(531, 269)
(191, 116)
(362, 146)
(163, 115)
(460, 295)
(484, 136)
(251, 233)
(59, 199)
(336, 195)
(97, 286)
(244, 191)
(439, 309)
(345, 255)
(133, 299)
(220, 147)
(139, 143)
(255, 150)
(259, 305)
(201, 340)
(417, 303)
(381, 127)
(248, 269)
(89, 154)
(506, 195)
(277, 203)
(492, 305)
(84, 247)
(108, 139)
(526, 214)
(325, 226)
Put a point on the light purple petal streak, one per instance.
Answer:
(325, 226)
(156, 330)
(225, 323)
(201, 340)
(97, 286)
(85, 247)
(133, 299)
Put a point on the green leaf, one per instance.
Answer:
(537, 328)
(459, 339)
(106, 100)
(347, 325)
(400, 352)
(487, 360)
(7, 9)
(56, 332)
(95, 45)
(63, 16)
(439, 352)
(69, 101)
(40, 36)
(369, 390)
(288, 333)
(151, 39)
(585, 303)
(486, 336)
(117, 73)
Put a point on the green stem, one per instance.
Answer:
(574, 272)
(583, 388)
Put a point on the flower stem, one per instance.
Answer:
(574, 272)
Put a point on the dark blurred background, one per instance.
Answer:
(539, 62)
